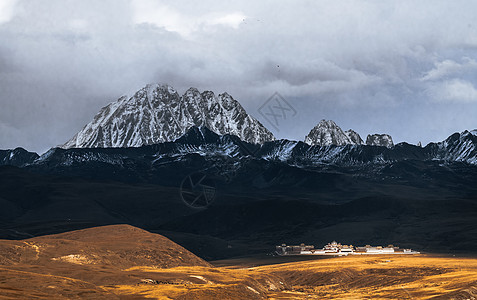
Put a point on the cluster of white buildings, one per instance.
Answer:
(335, 248)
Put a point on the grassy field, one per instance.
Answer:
(124, 262)
(362, 277)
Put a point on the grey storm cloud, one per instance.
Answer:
(402, 67)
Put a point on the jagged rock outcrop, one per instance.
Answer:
(156, 113)
(328, 133)
(384, 140)
(354, 137)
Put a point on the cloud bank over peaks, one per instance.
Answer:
(367, 65)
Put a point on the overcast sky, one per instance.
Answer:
(407, 68)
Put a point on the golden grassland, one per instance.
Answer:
(354, 277)
(124, 262)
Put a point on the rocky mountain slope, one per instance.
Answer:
(156, 114)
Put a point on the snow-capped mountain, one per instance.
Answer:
(384, 140)
(328, 133)
(156, 114)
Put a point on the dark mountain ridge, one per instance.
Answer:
(459, 147)
(17, 157)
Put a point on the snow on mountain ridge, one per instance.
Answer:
(156, 113)
(459, 147)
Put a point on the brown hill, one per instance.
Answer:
(118, 246)
(76, 264)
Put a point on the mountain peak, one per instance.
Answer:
(151, 88)
(329, 122)
(326, 132)
(467, 132)
(192, 91)
(354, 137)
(156, 113)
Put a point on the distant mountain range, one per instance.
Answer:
(157, 114)
(459, 147)
(160, 123)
